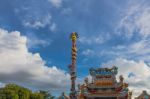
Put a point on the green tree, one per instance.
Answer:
(46, 94)
(13, 91)
(36, 96)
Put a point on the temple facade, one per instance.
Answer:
(104, 85)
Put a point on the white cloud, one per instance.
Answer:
(39, 22)
(66, 11)
(53, 27)
(140, 74)
(142, 22)
(99, 39)
(23, 67)
(88, 52)
(135, 20)
(34, 42)
(56, 3)
(138, 50)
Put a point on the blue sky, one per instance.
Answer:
(115, 32)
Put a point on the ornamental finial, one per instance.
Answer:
(74, 36)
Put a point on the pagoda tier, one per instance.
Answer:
(104, 85)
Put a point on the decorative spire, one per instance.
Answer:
(72, 67)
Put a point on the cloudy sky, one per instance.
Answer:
(35, 45)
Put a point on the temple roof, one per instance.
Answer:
(104, 84)
(103, 71)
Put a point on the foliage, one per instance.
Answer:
(46, 94)
(13, 91)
